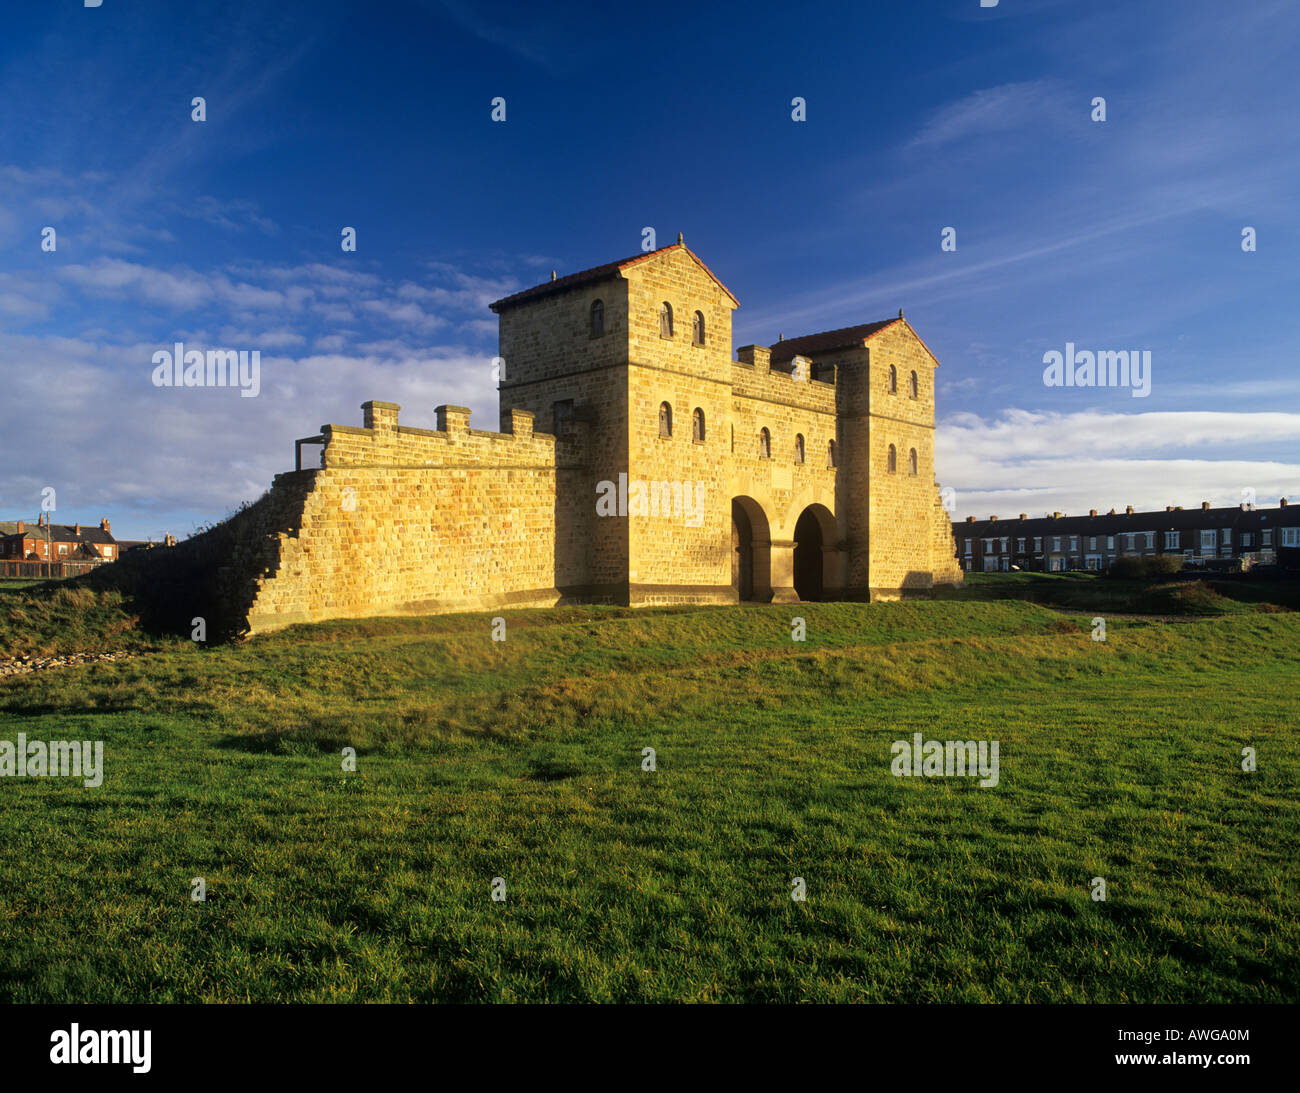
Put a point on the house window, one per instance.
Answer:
(1092, 542)
(1038, 542)
(988, 546)
(108, 552)
(1246, 539)
(597, 318)
(1074, 542)
(665, 419)
(666, 320)
(1151, 540)
(1266, 537)
(764, 444)
(1092, 562)
(1291, 537)
(697, 329)
(830, 454)
(893, 380)
(893, 459)
(63, 548)
(1207, 540)
(966, 544)
(1110, 542)
(1171, 540)
(561, 411)
(1004, 545)
(911, 461)
(697, 425)
(798, 447)
(1056, 543)
(1227, 537)
(1020, 546)
(913, 388)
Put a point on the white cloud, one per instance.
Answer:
(990, 110)
(1035, 462)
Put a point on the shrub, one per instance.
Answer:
(1135, 567)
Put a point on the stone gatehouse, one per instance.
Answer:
(637, 463)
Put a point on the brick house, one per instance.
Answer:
(1223, 537)
(46, 542)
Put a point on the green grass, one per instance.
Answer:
(43, 618)
(522, 760)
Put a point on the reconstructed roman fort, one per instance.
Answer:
(637, 463)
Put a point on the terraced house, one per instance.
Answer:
(1218, 538)
(46, 542)
(638, 462)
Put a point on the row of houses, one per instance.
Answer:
(1230, 538)
(70, 545)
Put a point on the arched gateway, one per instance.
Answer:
(751, 551)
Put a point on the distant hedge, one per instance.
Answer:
(1132, 566)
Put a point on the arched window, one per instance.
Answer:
(764, 444)
(697, 425)
(597, 318)
(666, 320)
(911, 461)
(830, 454)
(912, 386)
(798, 447)
(697, 328)
(665, 419)
(893, 459)
(893, 380)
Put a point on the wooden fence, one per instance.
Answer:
(46, 570)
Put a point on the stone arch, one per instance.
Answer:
(816, 553)
(751, 551)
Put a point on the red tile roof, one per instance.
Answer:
(843, 338)
(829, 339)
(599, 273)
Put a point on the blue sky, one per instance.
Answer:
(1122, 234)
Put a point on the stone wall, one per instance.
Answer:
(402, 519)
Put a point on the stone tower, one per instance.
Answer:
(812, 460)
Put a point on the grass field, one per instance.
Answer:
(523, 760)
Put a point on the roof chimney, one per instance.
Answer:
(681, 239)
(76, 530)
(780, 337)
(1111, 513)
(21, 528)
(1092, 512)
(1128, 509)
(1023, 516)
(900, 312)
(993, 519)
(552, 275)
(104, 525)
(969, 520)
(1169, 508)
(1056, 516)
(1205, 506)
(1282, 503)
